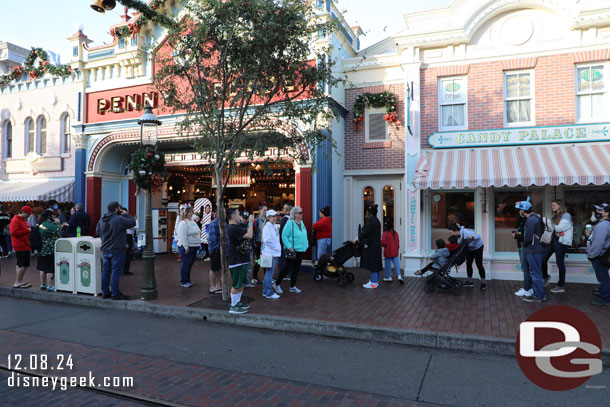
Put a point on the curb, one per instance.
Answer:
(426, 339)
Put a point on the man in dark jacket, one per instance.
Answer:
(598, 243)
(79, 219)
(534, 252)
(112, 229)
(4, 222)
(371, 238)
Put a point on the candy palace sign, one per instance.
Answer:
(521, 136)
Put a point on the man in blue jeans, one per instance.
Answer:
(597, 244)
(534, 253)
(112, 229)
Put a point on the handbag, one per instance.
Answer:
(291, 254)
(266, 261)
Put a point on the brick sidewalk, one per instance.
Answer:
(160, 379)
(493, 313)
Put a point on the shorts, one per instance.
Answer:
(46, 263)
(23, 258)
(238, 276)
(215, 260)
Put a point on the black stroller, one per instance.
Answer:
(332, 266)
(441, 279)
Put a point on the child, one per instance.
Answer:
(391, 243)
(440, 257)
(453, 244)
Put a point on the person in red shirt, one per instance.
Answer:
(391, 245)
(324, 231)
(20, 237)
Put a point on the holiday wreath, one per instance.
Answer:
(384, 99)
(147, 12)
(148, 167)
(35, 70)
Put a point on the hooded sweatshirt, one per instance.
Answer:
(440, 257)
(112, 228)
(599, 241)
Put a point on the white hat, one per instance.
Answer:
(271, 212)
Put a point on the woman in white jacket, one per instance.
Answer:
(189, 236)
(270, 247)
(564, 231)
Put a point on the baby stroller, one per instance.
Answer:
(441, 279)
(332, 267)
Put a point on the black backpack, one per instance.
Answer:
(35, 238)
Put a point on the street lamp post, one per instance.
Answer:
(149, 128)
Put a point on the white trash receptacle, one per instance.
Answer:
(88, 259)
(65, 264)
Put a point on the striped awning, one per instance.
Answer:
(61, 191)
(582, 164)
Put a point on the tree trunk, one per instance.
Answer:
(223, 232)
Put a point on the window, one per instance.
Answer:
(590, 93)
(388, 206)
(580, 204)
(121, 42)
(30, 141)
(64, 130)
(376, 126)
(368, 199)
(453, 97)
(506, 216)
(41, 139)
(518, 98)
(8, 139)
(448, 208)
(134, 40)
(75, 51)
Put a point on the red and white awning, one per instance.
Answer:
(42, 190)
(582, 164)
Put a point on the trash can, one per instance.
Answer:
(88, 260)
(65, 264)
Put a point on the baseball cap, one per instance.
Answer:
(524, 205)
(271, 212)
(603, 207)
(27, 209)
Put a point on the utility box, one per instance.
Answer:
(88, 259)
(65, 264)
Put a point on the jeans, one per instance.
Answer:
(111, 271)
(546, 255)
(560, 256)
(268, 280)
(249, 268)
(323, 247)
(601, 272)
(388, 266)
(374, 277)
(292, 268)
(477, 256)
(186, 262)
(533, 273)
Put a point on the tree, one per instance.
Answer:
(232, 68)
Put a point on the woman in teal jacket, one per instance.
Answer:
(294, 238)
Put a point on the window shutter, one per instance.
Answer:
(377, 126)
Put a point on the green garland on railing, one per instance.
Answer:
(384, 99)
(148, 167)
(147, 13)
(35, 71)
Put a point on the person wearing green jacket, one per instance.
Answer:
(50, 231)
(294, 239)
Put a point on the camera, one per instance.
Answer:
(245, 214)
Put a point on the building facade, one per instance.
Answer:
(505, 100)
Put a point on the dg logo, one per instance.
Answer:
(559, 348)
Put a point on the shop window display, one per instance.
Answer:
(388, 206)
(448, 208)
(580, 204)
(368, 198)
(506, 216)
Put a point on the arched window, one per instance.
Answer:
(64, 131)
(41, 139)
(368, 198)
(8, 139)
(388, 206)
(30, 142)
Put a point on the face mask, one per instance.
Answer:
(55, 207)
(594, 217)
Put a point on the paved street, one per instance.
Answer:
(195, 364)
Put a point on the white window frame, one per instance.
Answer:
(5, 140)
(29, 126)
(532, 98)
(64, 131)
(38, 136)
(605, 93)
(367, 121)
(440, 104)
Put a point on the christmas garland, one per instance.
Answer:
(147, 13)
(148, 167)
(384, 99)
(35, 71)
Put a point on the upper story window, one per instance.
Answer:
(121, 42)
(134, 40)
(519, 98)
(30, 141)
(64, 131)
(8, 139)
(376, 126)
(453, 104)
(591, 93)
(41, 139)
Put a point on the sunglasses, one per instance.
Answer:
(298, 213)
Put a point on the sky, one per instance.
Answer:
(48, 23)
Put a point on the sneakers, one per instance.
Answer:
(250, 285)
(546, 280)
(186, 285)
(237, 310)
(120, 296)
(294, 290)
(43, 287)
(370, 285)
(597, 291)
(523, 292)
(51, 288)
(388, 279)
(558, 289)
(106, 296)
(483, 286)
(468, 283)
(400, 280)
(533, 298)
(277, 288)
(272, 296)
(242, 305)
(599, 301)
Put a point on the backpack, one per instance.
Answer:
(548, 231)
(35, 238)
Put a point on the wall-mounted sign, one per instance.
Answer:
(32, 166)
(127, 103)
(521, 136)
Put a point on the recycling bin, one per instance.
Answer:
(88, 260)
(65, 264)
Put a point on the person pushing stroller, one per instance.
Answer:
(440, 257)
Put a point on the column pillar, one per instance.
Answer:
(94, 201)
(80, 166)
(303, 196)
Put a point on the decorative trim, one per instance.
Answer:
(591, 56)
(523, 63)
(377, 144)
(453, 70)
